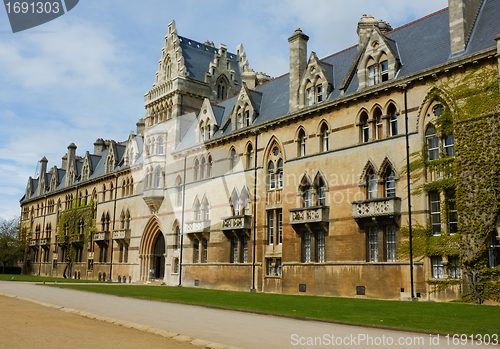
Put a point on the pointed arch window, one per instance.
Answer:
(160, 146)
(384, 71)
(301, 143)
(432, 143)
(158, 178)
(378, 123)
(393, 120)
(279, 174)
(196, 169)
(221, 89)
(232, 159)
(202, 168)
(197, 210)
(320, 191)
(250, 156)
(390, 184)
(372, 75)
(364, 128)
(206, 210)
(209, 166)
(324, 137)
(371, 180)
(271, 175)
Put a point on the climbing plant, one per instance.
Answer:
(473, 172)
(76, 225)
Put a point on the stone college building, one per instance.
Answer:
(295, 184)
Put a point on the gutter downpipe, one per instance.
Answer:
(254, 214)
(182, 220)
(409, 191)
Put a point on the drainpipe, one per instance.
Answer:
(182, 220)
(113, 228)
(254, 213)
(409, 191)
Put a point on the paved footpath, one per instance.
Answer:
(232, 328)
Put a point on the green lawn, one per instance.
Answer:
(433, 317)
(34, 278)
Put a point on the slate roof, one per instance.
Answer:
(197, 57)
(420, 45)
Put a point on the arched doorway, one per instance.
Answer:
(152, 251)
(159, 257)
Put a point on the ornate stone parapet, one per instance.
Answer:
(237, 222)
(121, 234)
(376, 208)
(197, 226)
(314, 214)
(101, 236)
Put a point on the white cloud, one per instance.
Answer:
(76, 54)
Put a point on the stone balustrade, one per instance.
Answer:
(376, 208)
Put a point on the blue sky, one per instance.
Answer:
(83, 76)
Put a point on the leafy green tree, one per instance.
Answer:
(12, 242)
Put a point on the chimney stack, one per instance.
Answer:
(298, 64)
(140, 127)
(42, 178)
(462, 17)
(71, 155)
(98, 146)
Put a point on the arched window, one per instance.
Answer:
(235, 203)
(250, 156)
(432, 143)
(197, 210)
(372, 75)
(196, 169)
(279, 174)
(245, 201)
(392, 114)
(271, 175)
(390, 183)
(232, 159)
(206, 210)
(324, 137)
(202, 168)
(301, 143)
(158, 178)
(178, 189)
(160, 146)
(209, 166)
(377, 116)
(208, 129)
(384, 71)
(372, 185)
(221, 89)
(320, 187)
(364, 128)
(306, 190)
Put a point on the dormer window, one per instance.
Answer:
(309, 92)
(248, 122)
(384, 71)
(372, 75)
(319, 93)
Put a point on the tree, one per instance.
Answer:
(12, 242)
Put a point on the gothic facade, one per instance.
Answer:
(296, 184)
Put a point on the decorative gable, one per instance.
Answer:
(207, 123)
(379, 60)
(131, 151)
(87, 167)
(111, 158)
(316, 84)
(220, 75)
(171, 64)
(245, 111)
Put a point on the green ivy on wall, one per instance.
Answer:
(474, 174)
(77, 222)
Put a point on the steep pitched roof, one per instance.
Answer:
(197, 58)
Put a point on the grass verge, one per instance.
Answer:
(35, 278)
(429, 317)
